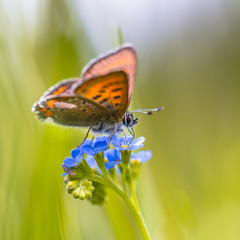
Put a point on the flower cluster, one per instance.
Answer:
(84, 161)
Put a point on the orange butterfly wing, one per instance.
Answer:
(122, 59)
(109, 91)
(102, 95)
(66, 108)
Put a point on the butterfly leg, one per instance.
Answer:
(125, 135)
(133, 135)
(110, 138)
(85, 137)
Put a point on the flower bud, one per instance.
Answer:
(72, 185)
(82, 194)
(99, 195)
(77, 192)
(88, 193)
(85, 184)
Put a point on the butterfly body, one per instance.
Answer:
(99, 100)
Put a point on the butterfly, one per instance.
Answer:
(99, 99)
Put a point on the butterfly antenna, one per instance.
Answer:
(147, 111)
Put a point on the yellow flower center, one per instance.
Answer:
(134, 161)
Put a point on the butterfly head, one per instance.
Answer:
(129, 120)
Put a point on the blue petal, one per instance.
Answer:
(109, 154)
(79, 158)
(75, 152)
(109, 165)
(100, 144)
(138, 141)
(100, 149)
(69, 162)
(129, 139)
(102, 138)
(134, 147)
(118, 154)
(88, 149)
(122, 140)
(113, 155)
(143, 156)
(133, 156)
(64, 174)
(87, 142)
(92, 163)
(115, 140)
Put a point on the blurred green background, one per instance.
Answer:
(189, 62)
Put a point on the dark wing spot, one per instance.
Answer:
(84, 110)
(102, 91)
(116, 104)
(103, 100)
(105, 86)
(116, 97)
(83, 102)
(97, 96)
(116, 89)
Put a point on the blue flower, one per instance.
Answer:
(92, 147)
(92, 163)
(74, 160)
(112, 157)
(141, 156)
(122, 144)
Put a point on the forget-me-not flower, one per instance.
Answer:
(92, 163)
(141, 156)
(112, 157)
(127, 144)
(92, 147)
(73, 161)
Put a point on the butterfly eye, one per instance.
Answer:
(127, 119)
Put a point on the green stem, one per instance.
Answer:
(107, 180)
(133, 196)
(133, 207)
(124, 173)
(132, 189)
(125, 162)
(112, 174)
(137, 215)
